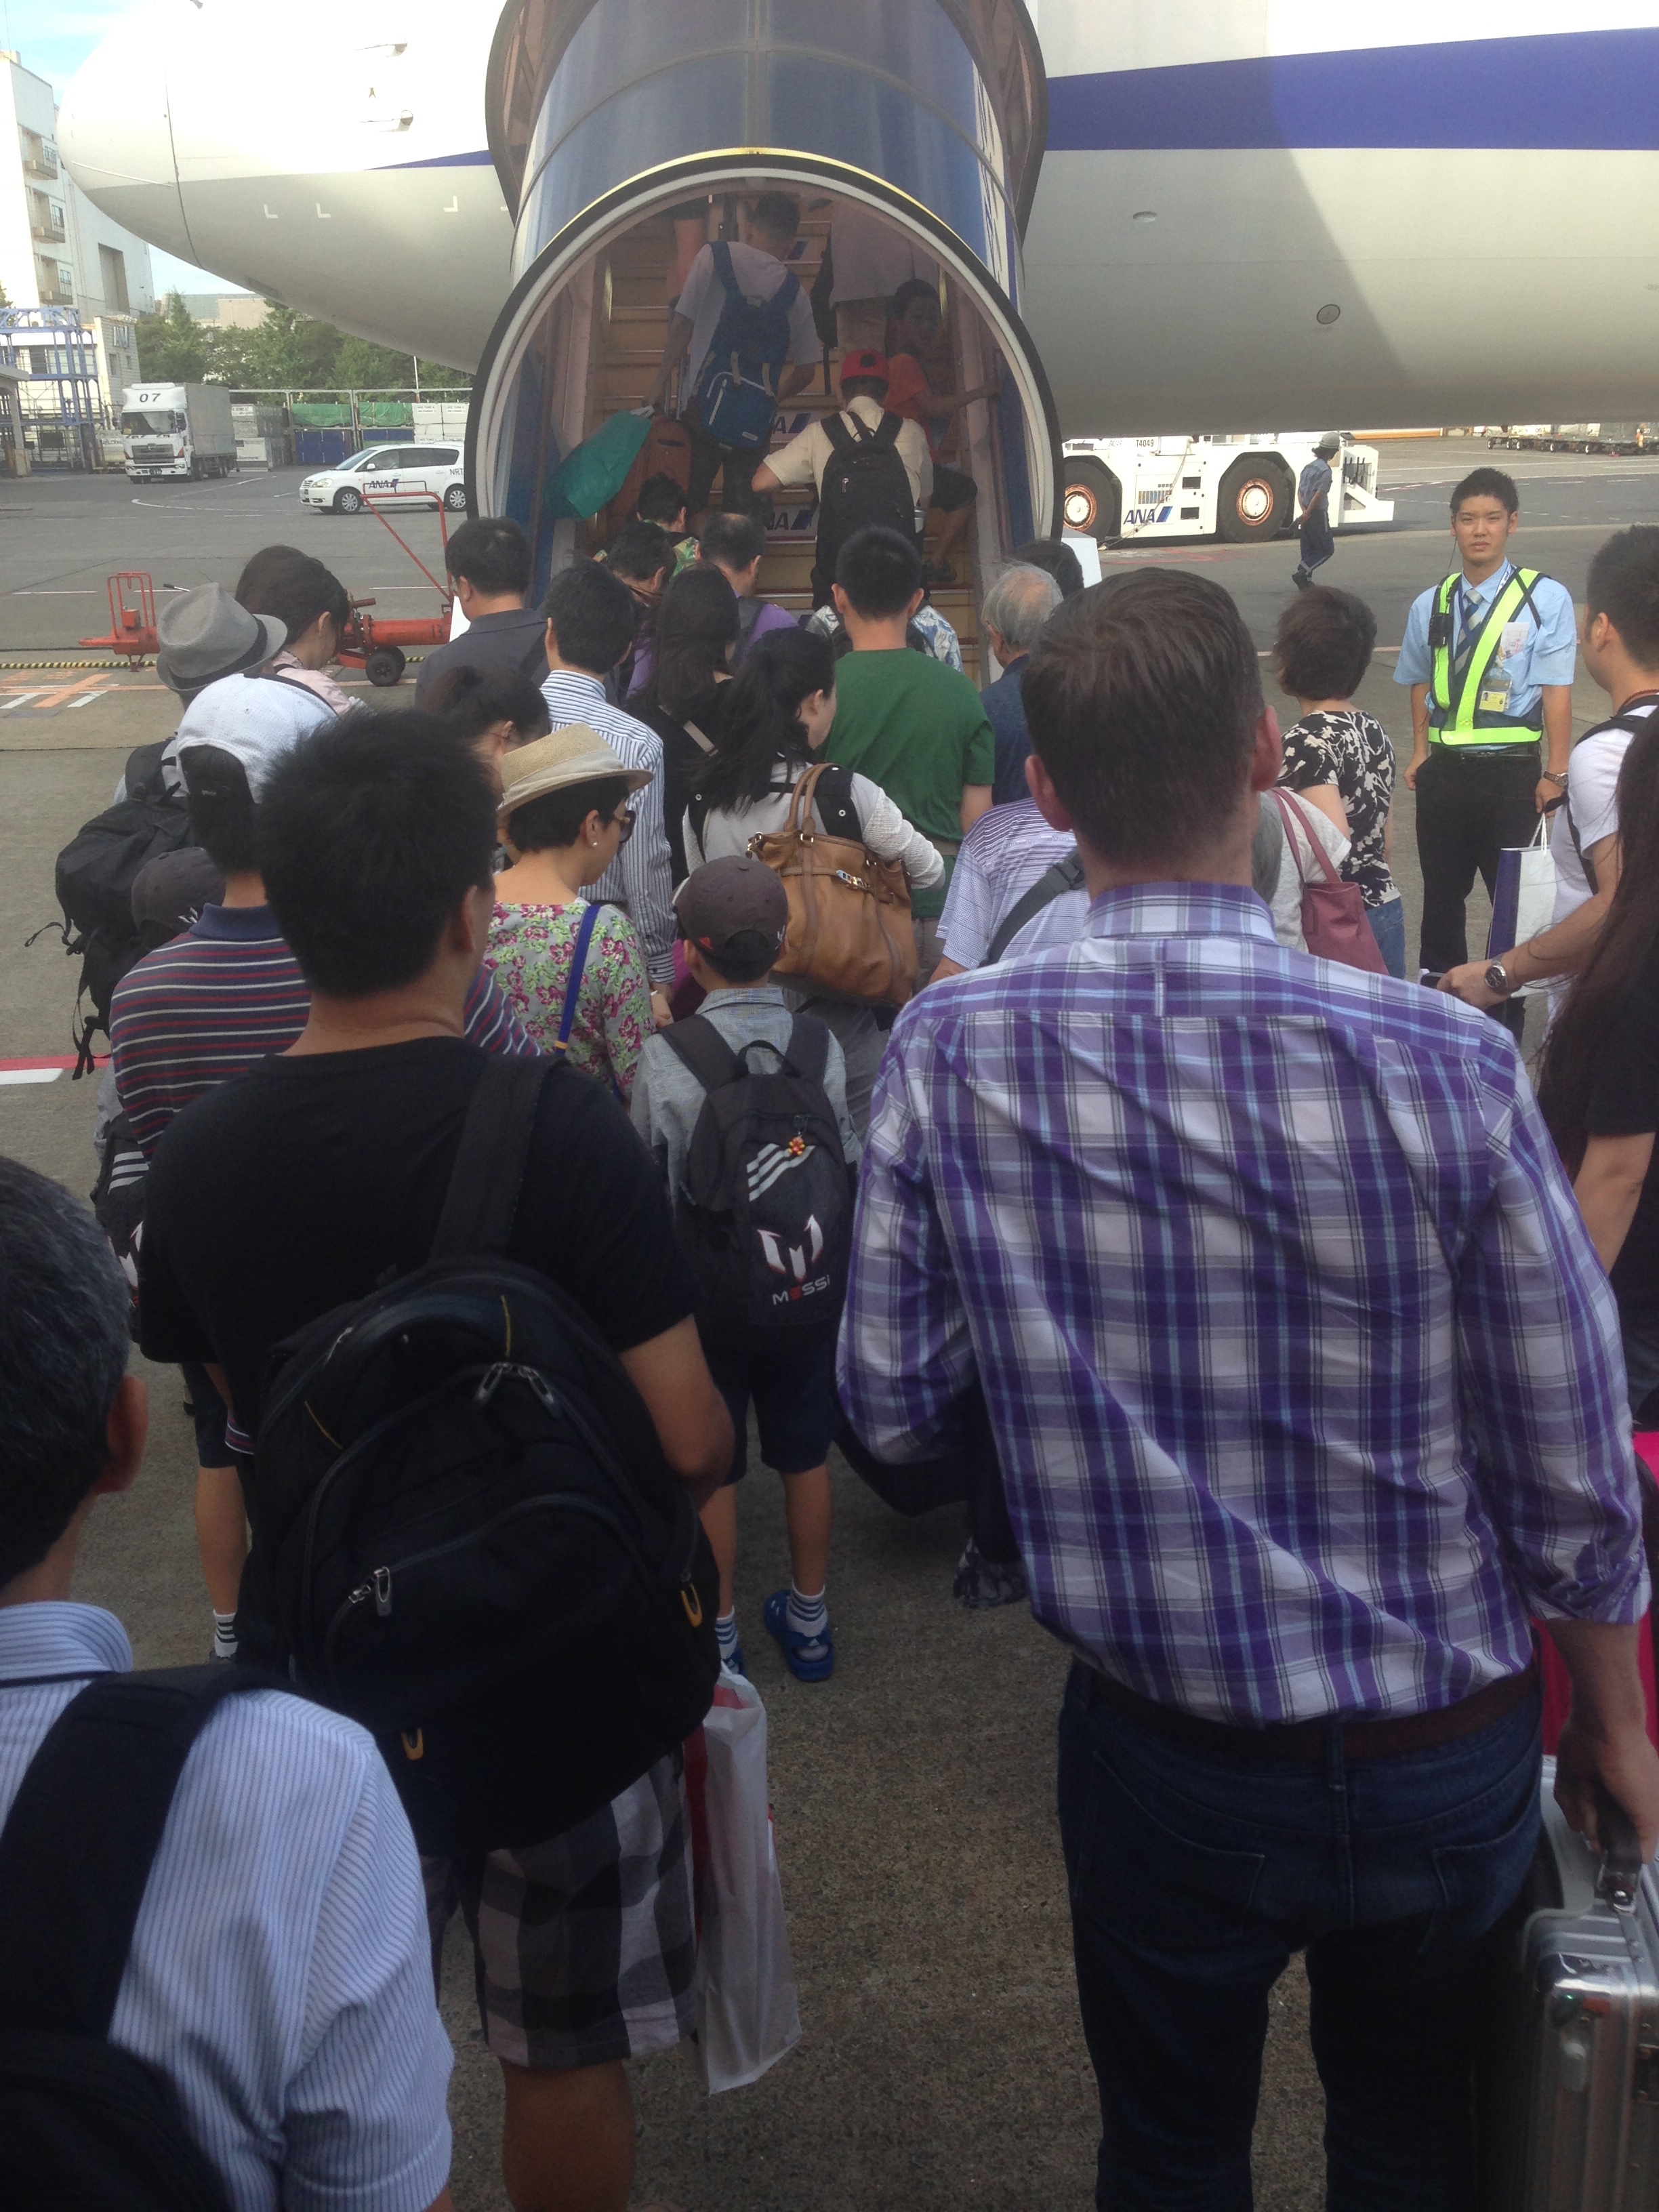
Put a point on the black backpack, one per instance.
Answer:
(765, 1210)
(96, 871)
(865, 483)
(84, 2124)
(465, 1533)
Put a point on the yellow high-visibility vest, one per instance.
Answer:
(1466, 707)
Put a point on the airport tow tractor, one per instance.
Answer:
(376, 644)
(1241, 489)
(131, 618)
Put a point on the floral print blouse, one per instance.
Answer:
(531, 949)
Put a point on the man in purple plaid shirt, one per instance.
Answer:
(1308, 1391)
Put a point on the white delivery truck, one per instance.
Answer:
(1242, 487)
(178, 430)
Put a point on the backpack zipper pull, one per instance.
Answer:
(382, 1591)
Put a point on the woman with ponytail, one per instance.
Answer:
(1599, 1085)
(776, 711)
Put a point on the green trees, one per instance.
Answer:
(285, 352)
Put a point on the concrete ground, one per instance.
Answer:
(942, 2063)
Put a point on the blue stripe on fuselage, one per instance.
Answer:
(1568, 90)
(445, 161)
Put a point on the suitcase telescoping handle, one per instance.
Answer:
(1621, 1853)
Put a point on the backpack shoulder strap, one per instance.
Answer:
(785, 295)
(78, 1844)
(483, 1184)
(832, 795)
(808, 1048)
(723, 268)
(699, 1046)
(1065, 875)
(888, 429)
(835, 429)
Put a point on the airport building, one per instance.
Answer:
(75, 280)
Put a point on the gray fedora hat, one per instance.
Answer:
(205, 634)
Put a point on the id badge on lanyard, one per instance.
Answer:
(1493, 697)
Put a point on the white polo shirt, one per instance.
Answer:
(805, 458)
(281, 1971)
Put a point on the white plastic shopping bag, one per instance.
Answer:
(747, 2012)
(1523, 898)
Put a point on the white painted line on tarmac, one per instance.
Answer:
(10, 703)
(30, 1075)
(86, 697)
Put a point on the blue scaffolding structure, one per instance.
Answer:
(54, 356)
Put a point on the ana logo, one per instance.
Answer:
(793, 1260)
(1137, 518)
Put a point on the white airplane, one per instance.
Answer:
(1166, 215)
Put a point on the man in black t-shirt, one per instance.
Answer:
(293, 1188)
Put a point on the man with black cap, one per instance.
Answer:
(734, 914)
(1313, 520)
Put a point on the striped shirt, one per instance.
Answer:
(640, 880)
(1003, 854)
(1304, 1376)
(281, 1972)
(210, 1003)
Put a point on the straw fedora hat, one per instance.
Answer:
(573, 755)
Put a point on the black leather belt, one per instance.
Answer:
(1309, 1742)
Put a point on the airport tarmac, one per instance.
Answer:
(942, 2063)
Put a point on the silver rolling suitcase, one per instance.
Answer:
(1570, 2102)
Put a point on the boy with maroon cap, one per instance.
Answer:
(732, 915)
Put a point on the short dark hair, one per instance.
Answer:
(640, 549)
(864, 387)
(1624, 585)
(880, 572)
(476, 699)
(730, 966)
(661, 498)
(1055, 554)
(65, 1332)
(220, 810)
(371, 832)
(733, 541)
(1142, 696)
(914, 288)
(1487, 483)
(1324, 644)
(776, 214)
(555, 820)
(592, 612)
(294, 587)
(493, 554)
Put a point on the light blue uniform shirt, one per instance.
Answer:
(1534, 650)
(281, 1972)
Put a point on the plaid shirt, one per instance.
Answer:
(1304, 1375)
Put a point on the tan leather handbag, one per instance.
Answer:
(850, 930)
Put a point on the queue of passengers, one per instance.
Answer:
(1176, 1206)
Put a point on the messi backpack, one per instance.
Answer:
(84, 2123)
(738, 385)
(865, 484)
(765, 1210)
(465, 1535)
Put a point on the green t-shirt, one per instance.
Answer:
(918, 729)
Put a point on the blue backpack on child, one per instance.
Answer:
(738, 388)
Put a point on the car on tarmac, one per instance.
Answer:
(395, 475)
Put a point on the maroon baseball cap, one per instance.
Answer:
(866, 363)
(737, 906)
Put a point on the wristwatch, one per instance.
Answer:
(1497, 979)
(1557, 776)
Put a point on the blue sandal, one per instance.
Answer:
(809, 1658)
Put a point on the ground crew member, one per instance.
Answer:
(1488, 653)
(1313, 520)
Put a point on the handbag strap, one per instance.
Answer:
(1292, 813)
(801, 800)
(705, 745)
(578, 968)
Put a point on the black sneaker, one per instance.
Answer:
(980, 1583)
(1303, 579)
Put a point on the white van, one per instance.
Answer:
(393, 474)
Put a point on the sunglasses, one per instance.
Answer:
(624, 822)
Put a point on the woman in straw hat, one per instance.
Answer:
(573, 972)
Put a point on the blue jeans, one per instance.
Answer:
(1194, 1876)
(1387, 923)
